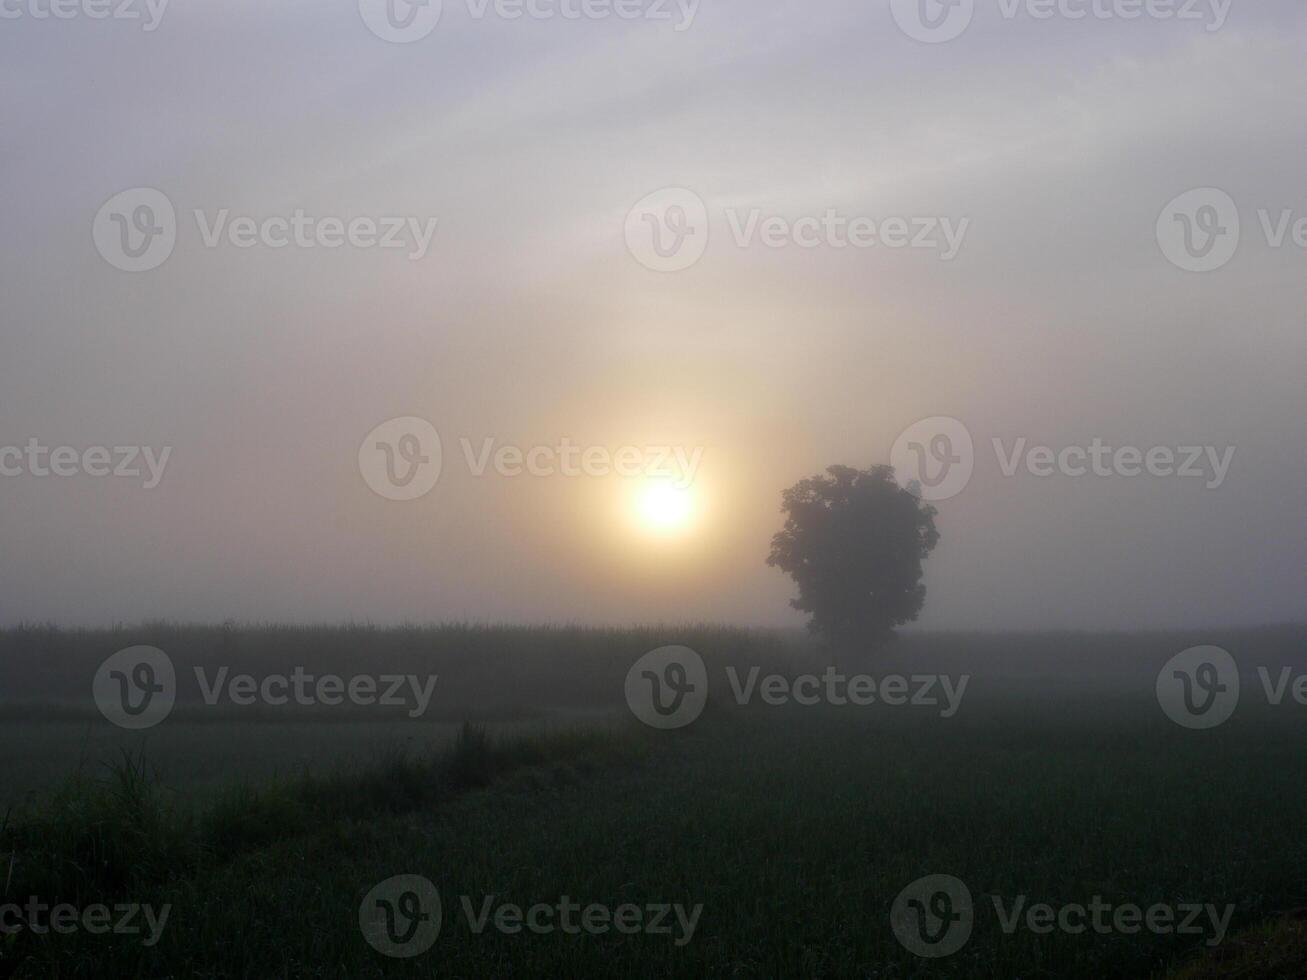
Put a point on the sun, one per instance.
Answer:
(664, 507)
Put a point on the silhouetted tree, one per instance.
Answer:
(854, 541)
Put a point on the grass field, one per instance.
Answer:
(793, 828)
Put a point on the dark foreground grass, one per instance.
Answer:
(794, 828)
(124, 838)
(1276, 950)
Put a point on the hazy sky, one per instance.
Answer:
(1056, 143)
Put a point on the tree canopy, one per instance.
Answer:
(854, 542)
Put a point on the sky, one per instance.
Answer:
(1020, 221)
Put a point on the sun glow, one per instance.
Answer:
(664, 507)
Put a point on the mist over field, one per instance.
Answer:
(652, 488)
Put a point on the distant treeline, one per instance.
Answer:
(480, 668)
(508, 669)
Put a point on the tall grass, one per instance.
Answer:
(97, 839)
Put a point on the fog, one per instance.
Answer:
(1049, 146)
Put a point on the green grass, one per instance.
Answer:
(794, 827)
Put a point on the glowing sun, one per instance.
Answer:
(664, 507)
